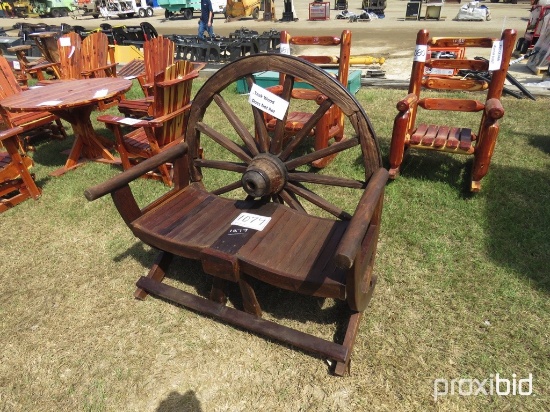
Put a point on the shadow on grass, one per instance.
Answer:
(439, 167)
(540, 142)
(518, 221)
(175, 402)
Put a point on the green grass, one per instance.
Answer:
(463, 293)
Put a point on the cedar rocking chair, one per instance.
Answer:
(254, 211)
(16, 182)
(408, 133)
(172, 89)
(331, 126)
(30, 122)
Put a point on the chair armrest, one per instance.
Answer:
(116, 120)
(351, 241)
(159, 121)
(6, 134)
(494, 109)
(41, 67)
(97, 69)
(121, 180)
(405, 104)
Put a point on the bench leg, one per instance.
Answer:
(217, 293)
(157, 272)
(343, 368)
(250, 303)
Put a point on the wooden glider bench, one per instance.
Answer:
(266, 230)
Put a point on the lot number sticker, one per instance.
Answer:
(420, 53)
(251, 221)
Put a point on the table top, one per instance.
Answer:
(66, 94)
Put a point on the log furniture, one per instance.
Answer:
(253, 211)
(409, 133)
(172, 91)
(30, 122)
(73, 101)
(331, 126)
(16, 182)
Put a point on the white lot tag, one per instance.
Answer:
(129, 77)
(284, 48)
(129, 121)
(268, 102)
(72, 52)
(446, 72)
(16, 65)
(101, 93)
(256, 222)
(495, 59)
(65, 41)
(50, 103)
(35, 87)
(420, 53)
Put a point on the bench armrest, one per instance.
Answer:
(121, 180)
(41, 67)
(405, 104)
(6, 134)
(494, 109)
(92, 72)
(359, 224)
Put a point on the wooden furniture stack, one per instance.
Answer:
(410, 133)
(252, 211)
(331, 126)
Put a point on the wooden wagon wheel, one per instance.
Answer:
(271, 167)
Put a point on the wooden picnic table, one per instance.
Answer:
(73, 101)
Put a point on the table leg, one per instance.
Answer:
(88, 145)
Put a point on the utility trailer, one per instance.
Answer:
(186, 8)
(124, 9)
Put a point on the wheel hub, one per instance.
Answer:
(265, 175)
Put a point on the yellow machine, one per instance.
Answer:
(239, 9)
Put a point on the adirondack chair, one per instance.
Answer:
(172, 89)
(409, 133)
(81, 59)
(332, 125)
(16, 182)
(158, 54)
(30, 122)
(252, 210)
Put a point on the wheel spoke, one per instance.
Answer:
(291, 200)
(310, 124)
(239, 127)
(279, 134)
(221, 165)
(227, 188)
(318, 154)
(259, 121)
(325, 180)
(223, 141)
(318, 201)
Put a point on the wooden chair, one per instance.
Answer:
(16, 182)
(332, 125)
(172, 89)
(28, 121)
(253, 211)
(158, 54)
(409, 133)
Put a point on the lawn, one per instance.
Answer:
(462, 295)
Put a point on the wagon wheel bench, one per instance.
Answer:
(272, 219)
